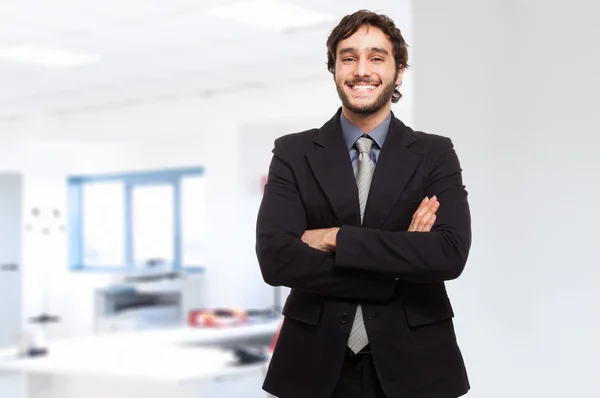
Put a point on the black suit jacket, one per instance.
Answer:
(409, 321)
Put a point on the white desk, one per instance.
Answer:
(178, 363)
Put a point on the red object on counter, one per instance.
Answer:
(217, 317)
(274, 342)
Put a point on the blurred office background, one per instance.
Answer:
(135, 137)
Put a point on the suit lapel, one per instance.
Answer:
(395, 167)
(330, 162)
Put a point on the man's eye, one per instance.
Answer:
(348, 59)
(378, 59)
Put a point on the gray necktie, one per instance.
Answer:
(364, 174)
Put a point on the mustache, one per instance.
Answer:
(362, 80)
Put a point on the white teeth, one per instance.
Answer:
(363, 87)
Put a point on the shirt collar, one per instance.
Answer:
(352, 133)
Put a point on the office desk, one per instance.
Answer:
(174, 363)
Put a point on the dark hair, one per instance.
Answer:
(352, 23)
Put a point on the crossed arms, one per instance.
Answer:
(358, 262)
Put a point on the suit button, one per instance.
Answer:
(343, 317)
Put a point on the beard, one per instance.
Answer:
(379, 102)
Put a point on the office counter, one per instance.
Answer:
(183, 362)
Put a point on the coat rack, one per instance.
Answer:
(43, 224)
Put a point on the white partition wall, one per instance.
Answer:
(10, 274)
(10, 258)
(515, 84)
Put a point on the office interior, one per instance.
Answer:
(135, 139)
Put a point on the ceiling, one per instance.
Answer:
(155, 48)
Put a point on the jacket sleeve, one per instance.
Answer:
(434, 256)
(287, 261)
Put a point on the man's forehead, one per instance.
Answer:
(363, 41)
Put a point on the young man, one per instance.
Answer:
(365, 218)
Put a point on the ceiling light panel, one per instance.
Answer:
(270, 14)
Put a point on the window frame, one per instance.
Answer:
(76, 242)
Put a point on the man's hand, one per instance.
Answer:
(321, 239)
(424, 217)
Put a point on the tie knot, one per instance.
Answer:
(364, 144)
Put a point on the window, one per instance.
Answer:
(138, 221)
(153, 224)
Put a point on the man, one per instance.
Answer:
(365, 218)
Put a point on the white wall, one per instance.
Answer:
(230, 134)
(515, 84)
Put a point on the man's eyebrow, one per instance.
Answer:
(350, 50)
(379, 50)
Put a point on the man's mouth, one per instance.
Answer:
(363, 87)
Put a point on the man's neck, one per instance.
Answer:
(366, 122)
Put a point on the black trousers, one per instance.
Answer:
(358, 378)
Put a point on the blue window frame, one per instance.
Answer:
(136, 222)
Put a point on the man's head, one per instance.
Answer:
(367, 56)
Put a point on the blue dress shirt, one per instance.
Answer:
(352, 133)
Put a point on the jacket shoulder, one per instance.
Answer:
(294, 143)
(430, 140)
(429, 145)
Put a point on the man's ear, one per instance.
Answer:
(400, 74)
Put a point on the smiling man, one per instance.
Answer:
(365, 219)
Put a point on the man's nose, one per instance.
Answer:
(362, 68)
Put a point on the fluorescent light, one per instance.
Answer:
(270, 14)
(46, 56)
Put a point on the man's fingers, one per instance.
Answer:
(430, 223)
(426, 227)
(316, 238)
(423, 204)
(427, 218)
(422, 219)
(427, 206)
(431, 207)
(414, 220)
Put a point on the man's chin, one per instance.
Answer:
(364, 108)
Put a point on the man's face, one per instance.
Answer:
(365, 71)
